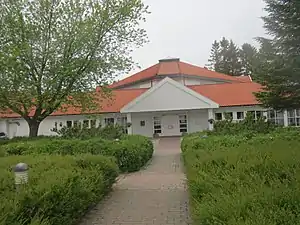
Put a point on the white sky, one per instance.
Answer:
(186, 29)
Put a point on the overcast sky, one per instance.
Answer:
(185, 29)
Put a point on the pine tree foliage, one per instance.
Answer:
(280, 70)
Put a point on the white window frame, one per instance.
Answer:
(256, 112)
(276, 118)
(295, 117)
(157, 122)
(183, 120)
(243, 113)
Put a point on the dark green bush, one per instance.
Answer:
(240, 180)
(131, 151)
(60, 189)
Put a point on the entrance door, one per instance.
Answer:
(170, 125)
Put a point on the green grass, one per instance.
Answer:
(244, 181)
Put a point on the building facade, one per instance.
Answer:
(167, 99)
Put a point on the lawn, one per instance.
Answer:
(244, 180)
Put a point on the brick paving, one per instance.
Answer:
(156, 195)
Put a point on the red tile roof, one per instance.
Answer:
(235, 94)
(119, 99)
(175, 67)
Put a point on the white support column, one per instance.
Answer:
(129, 121)
(265, 114)
(210, 117)
(285, 118)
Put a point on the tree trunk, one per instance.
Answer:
(33, 128)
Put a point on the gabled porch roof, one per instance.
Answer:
(169, 95)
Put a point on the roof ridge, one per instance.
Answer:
(244, 83)
(211, 71)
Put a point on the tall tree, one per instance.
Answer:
(215, 57)
(54, 52)
(249, 59)
(224, 57)
(232, 58)
(280, 73)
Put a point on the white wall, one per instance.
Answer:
(3, 126)
(182, 80)
(142, 84)
(15, 130)
(197, 120)
(199, 81)
(146, 130)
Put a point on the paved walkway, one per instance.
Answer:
(156, 195)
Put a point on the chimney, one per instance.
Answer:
(169, 60)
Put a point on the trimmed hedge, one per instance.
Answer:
(132, 151)
(60, 189)
(240, 180)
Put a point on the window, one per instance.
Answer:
(228, 115)
(276, 117)
(93, 123)
(157, 125)
(109, 121)
(183, 124)
(142, 123)
(61, 124)
(240, 115)
(259, 114)
(256, 114)
(69, 124)
(294, 118)
(86, 124)
(218, 116)
(55, 125)
(76, 123)
(122, 121)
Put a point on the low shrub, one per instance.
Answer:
(240, 180)
(109, 132)
(248, 125)
(60, 189)
(132, 151)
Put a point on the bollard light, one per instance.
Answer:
(21, 174)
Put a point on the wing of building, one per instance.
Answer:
(169, 98)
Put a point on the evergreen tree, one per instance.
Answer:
(215, 57)
(249, 58)
(233, 62)
(280, 70)
(224, 57)
(224, 67)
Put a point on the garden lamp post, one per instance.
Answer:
(21, 175)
